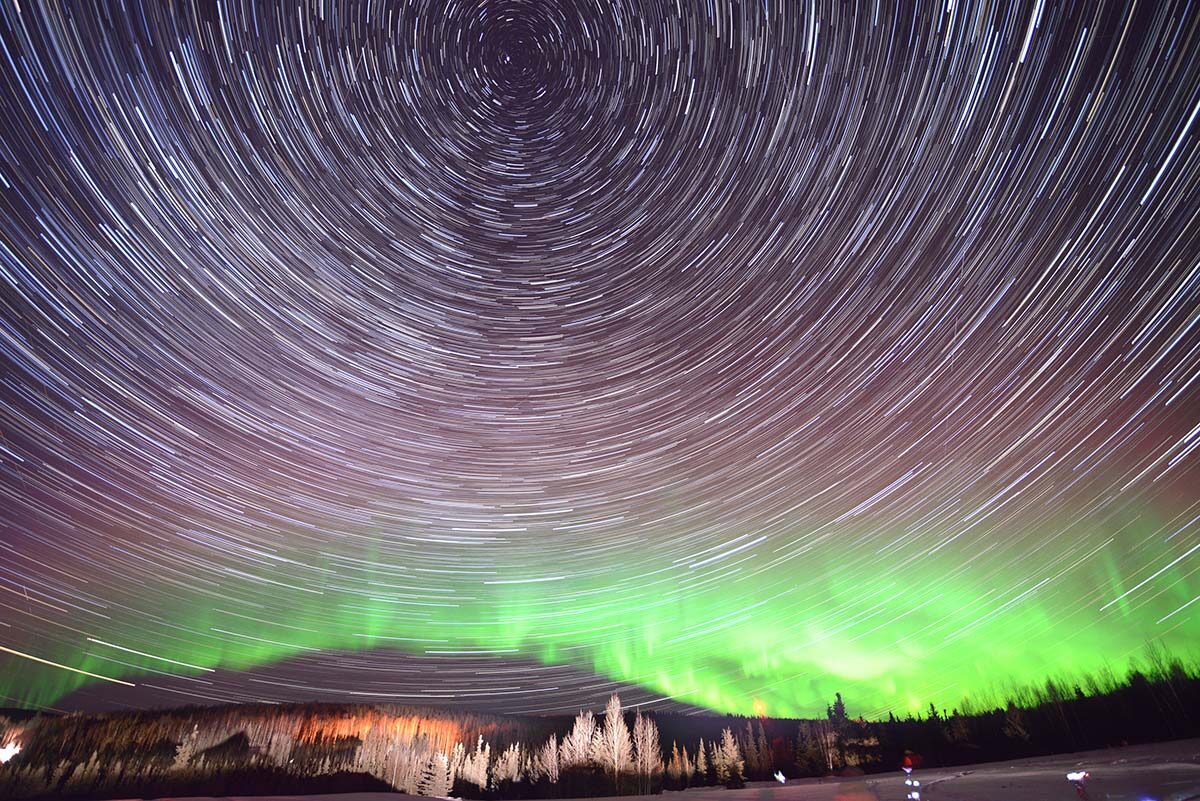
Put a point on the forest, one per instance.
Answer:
(247, 749)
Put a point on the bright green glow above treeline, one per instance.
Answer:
(734, 631)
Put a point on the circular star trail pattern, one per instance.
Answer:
(739, 352)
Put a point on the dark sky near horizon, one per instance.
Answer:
(737, 352)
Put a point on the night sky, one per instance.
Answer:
(508, 351)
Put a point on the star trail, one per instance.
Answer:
(514, 350)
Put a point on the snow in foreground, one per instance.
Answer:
(1161, 772)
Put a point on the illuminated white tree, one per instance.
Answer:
(405, 765)
(727, 758)
(508, 765)
(187, 750)
(547, 760)
(474, 769)
(576, 748)
(458, 757)
(647, 751)
(675, 764)
(612, 748)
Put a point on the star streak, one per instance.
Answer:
(510, 353)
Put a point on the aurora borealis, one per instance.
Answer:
(742, 352)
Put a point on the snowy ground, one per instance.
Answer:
(1162, 772)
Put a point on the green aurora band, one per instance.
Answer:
(733, 631)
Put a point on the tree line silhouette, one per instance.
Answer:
(243, 749)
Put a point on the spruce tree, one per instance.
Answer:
(727, 760)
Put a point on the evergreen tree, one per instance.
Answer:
(188, 749)
(475, 767)
(837, 712)
(437, 776)
(766, 758)
(675, 764)
(800, 752)
(750, 748)
(727, 760)
(508, 766)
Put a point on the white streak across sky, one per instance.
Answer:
(503, 351)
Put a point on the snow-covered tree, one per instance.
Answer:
(474, 769)
(546, 760)
(576, 748)
(701, 764)
(719, 766)
(458, 756)
(612, 748)
(508, 765)
(437, 777)
(727, 759)
(675, 764)
(429, 775)
(647, 751)
(680, 768)
(187, 750)
(445, 765)
(405, 766)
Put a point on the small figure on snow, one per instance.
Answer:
(913, 785)
(1077, 778)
